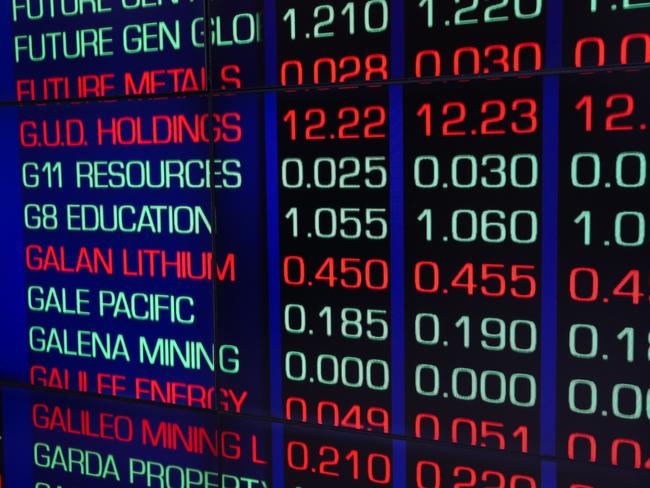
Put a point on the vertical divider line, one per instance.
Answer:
(548, 420)
(397, 258)
(550, 144)
(14, 354)
(2, 457)
(207, 50)
(273, 240)
(396, 215)
(212, 154)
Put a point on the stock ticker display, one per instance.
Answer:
(306, 243)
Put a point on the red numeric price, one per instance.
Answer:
(496, 280)
(585, 284)
(522, 115)
(619, 108)
(350, 273)
(350, 123)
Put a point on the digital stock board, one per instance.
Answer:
(299, 243)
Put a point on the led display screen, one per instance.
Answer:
(375, 236)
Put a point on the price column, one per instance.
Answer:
(604, 287)
(334, 230)
(472, 186)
